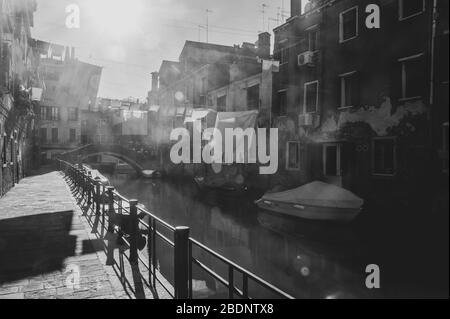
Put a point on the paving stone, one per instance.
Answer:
(45, 237)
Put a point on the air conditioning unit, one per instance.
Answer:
(306, 58)
(309, 120)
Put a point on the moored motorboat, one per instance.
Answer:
(151, 174)
(96, 175)
(315, 201)
(205, 183)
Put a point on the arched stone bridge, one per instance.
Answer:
(141, 162)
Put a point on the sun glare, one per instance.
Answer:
(116, 18)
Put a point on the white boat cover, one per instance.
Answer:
(97, 175)
(318, 194)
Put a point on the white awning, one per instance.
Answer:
(198, 114)
(181, 111)
(155, 108)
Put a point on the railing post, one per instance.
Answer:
(79, 182)
(98, 197)
(182, 262)
(134, 232)
(85, 185)
(230, 282)
(89, 188)
(110, 234)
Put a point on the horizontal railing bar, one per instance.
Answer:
(144, 224)
(259, 280)
(159, 220)
(121, 197)
(140, 257)
(216, 276)
(167, 240)
(211, 272)
(126, 242)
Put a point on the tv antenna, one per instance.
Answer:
(200, 28)
(263, 11)
(207, 24)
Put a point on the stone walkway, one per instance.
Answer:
(47, 249)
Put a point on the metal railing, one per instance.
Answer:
(136, 227)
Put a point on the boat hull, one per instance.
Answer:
(149, 174)
(232, 188)
(319, 213)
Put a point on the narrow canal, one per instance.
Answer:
(307, 260)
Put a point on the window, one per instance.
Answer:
(11, 148)
(204, 86)
(282, 103)
(43, 135)
(311, 97)
(284, 56)
(384, 156)
(293, 156)
(332, 160)
(4, 150)
(84, 140)
(202, 101)
(54, 135)
(349, 90)
(413, 81)
(348, 24)
(73, 114)
(54, 114)
(72, 135)
(44, 114)
(222, 103)
(313, 39)
(253, 97)
(410, 8)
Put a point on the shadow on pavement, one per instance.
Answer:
(35, 245)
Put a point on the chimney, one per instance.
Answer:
(264, 45)
(155, 80)
(296, 7)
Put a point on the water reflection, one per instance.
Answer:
(307, 260)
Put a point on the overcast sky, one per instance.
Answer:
(130, 38)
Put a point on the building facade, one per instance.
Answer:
(18, 77)
(71, 88)
(353, 104)
(204, 67)
(251, 93)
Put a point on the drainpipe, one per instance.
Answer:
(432, 79)
(433, 49)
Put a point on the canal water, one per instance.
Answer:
(307, 260)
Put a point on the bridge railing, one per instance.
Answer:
(135, 227)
